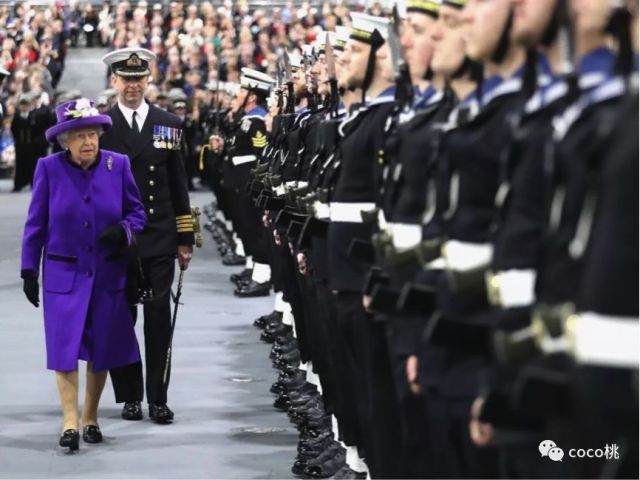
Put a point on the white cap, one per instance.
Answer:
(254, 80)
(130, 62)
(342, 37)
(232, 88)
(295, 60)
(364, 25)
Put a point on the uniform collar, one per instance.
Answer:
(598, 61)
(387, 95)
(256, 111)
(422, 98)
(497, 86)
(142, 111)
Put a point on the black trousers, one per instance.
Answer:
(247, 218)
(128, 380)
(372, 387)
(26, 161)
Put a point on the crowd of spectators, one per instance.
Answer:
(196, 43)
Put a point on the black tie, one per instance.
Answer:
(134, 124)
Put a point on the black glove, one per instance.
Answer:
(114, 236)
(32, 290)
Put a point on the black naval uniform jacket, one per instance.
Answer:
(160, 175)
(247, 143)
(356, 185)
(470, 161)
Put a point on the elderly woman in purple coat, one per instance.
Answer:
(84, 214)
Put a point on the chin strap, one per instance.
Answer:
(505, 40)
(619, 26)
(376, 42)
(530, 76)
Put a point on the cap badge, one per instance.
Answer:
(134, 61)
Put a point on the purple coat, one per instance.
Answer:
(69, 209)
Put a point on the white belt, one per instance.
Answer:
(437, 264)
(405, 235)
(279, 190)
(321, 210)
(463, 256)
(349, 212)
(382, 221)
(603, 340)
(239, 160)
(512, 288)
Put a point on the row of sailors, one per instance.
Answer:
(452, 234)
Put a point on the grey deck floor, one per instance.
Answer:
(225, 424)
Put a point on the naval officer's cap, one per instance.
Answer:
(129, 62)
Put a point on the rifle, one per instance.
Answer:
(291, 101)
(404, 88)
(334, 98)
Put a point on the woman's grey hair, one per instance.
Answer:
(64, 136)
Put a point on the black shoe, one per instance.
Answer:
(239, 277)
(264, 320)
(277, 329)
(322, 442)
(131, 411)
(326, 466)
(231, 259)
(285, 337)
(253, 289)
(277, 388)
(91, 434)
(160, 413)
(282, 403)
(300, 401)
(286, 347)
(70, 439)
(345, 473)
(294, 380)
(291, 358)
(305, 461)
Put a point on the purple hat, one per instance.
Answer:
(80, 113)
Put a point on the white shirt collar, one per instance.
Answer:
(142, 112)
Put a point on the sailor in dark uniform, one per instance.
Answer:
(244, 148)
(354, 190)
(28, 126)
(152, 139)
(404, 180)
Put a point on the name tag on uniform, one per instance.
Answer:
(167, 138)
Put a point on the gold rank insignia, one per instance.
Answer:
(184, 223)
(260, 140)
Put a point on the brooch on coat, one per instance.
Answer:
(110, 163)
(167, 138)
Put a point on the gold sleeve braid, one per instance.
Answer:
(184, 223)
